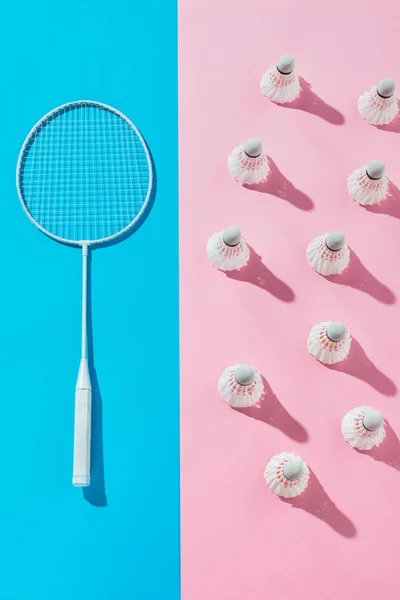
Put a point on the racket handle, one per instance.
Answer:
(83, 414)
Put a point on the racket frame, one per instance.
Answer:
(80, 243)
(83, 391)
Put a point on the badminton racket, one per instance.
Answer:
(84, 177)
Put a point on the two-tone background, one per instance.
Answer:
(158, 349)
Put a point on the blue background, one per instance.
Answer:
(119, 538)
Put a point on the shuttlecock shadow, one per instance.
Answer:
(269, 410)
(390, 205)
(357, 364)
(358, 277)
(256, 273)
(277, 185)
(389, 450)
(309, 102)
(393, 126)
(95, 493)
(316, 502)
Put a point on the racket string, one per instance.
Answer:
(84, 175)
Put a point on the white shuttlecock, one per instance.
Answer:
(329, 342)
(379, 106)
(227, 250)
(248, 164)
(328, 254)
(281, 83)
(240, 386)
(363, 428)
(368, 185)
(287, 475)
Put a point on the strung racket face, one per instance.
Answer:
(84, 173)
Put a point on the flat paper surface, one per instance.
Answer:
(239, 541)
(109, 540)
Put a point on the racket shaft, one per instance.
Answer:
(83, 413)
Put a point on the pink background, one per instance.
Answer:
(342, 538)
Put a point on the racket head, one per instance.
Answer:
(84, 174)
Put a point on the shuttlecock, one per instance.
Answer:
(363, 428)
(227, 250)
(368, 185)
(248, 163)
(240, 386)
(281, 83)
(329, 342)
(328, 254)
(287, 475)
(379, 106)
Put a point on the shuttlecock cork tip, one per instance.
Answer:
(373, 420)
(286, 64)
(231, 236)
(386, 87)
(336, 331)
(253, 147)
(375, 169)
(244, 375)
(293, 469)
(335, 240)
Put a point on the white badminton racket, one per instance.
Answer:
(84, 177)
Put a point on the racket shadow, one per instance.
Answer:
(144, 215)
(95, 493)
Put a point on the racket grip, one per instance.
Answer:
(83, 414)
